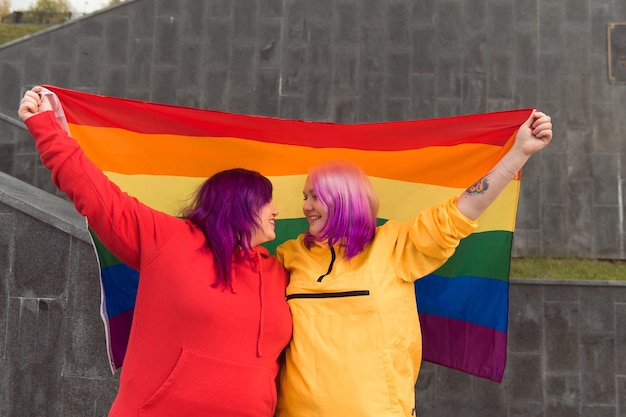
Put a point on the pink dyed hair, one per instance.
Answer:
(348, 197)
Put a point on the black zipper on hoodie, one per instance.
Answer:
(356, 293)
(333, 256)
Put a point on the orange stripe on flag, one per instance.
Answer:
(127, 152)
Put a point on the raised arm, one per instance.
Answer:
(129, 229)
(533, 135)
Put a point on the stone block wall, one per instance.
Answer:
(52, 344)
(346, 61)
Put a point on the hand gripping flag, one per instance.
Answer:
(162, 153)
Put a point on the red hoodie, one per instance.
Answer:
(194, 349)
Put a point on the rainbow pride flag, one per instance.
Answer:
(162, 153)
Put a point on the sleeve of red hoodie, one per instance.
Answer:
(125, 226)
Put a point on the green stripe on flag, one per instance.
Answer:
(486, 254)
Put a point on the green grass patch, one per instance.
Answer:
(9, 32)
(568, 268)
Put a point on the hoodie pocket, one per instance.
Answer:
(338, 362)
(203, 385)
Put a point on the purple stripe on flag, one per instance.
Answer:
(464, 346)
(119, 329)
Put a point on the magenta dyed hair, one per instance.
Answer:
(349, 198)
(226, 209)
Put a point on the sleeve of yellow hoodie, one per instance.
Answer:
(417, 247)
(424, 243)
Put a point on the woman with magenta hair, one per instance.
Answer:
(210, 318)
(357, 346)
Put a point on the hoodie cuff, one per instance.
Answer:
(42, 124)
(464, 225)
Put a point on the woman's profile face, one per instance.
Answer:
(312, 209)
(265, 232)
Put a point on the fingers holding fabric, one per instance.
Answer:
(535, 134)
(32, 103)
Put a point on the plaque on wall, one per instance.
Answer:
(617, 53)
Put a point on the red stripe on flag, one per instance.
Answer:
(102, 111)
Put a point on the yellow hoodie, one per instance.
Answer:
(357, 347)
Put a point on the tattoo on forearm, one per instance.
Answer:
(479, 187)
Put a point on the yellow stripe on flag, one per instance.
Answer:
(399, 200)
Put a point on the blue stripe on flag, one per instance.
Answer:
(120, 288)
(477, 300)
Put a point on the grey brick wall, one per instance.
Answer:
(52, 344)
(344, 61)
(566, 352)
(368, 61)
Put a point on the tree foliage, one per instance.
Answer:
(51, 6)
(49, 12)
(5, 7)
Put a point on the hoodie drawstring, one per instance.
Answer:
(259, 342)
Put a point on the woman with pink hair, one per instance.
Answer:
(210, 318)
(357, 346)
